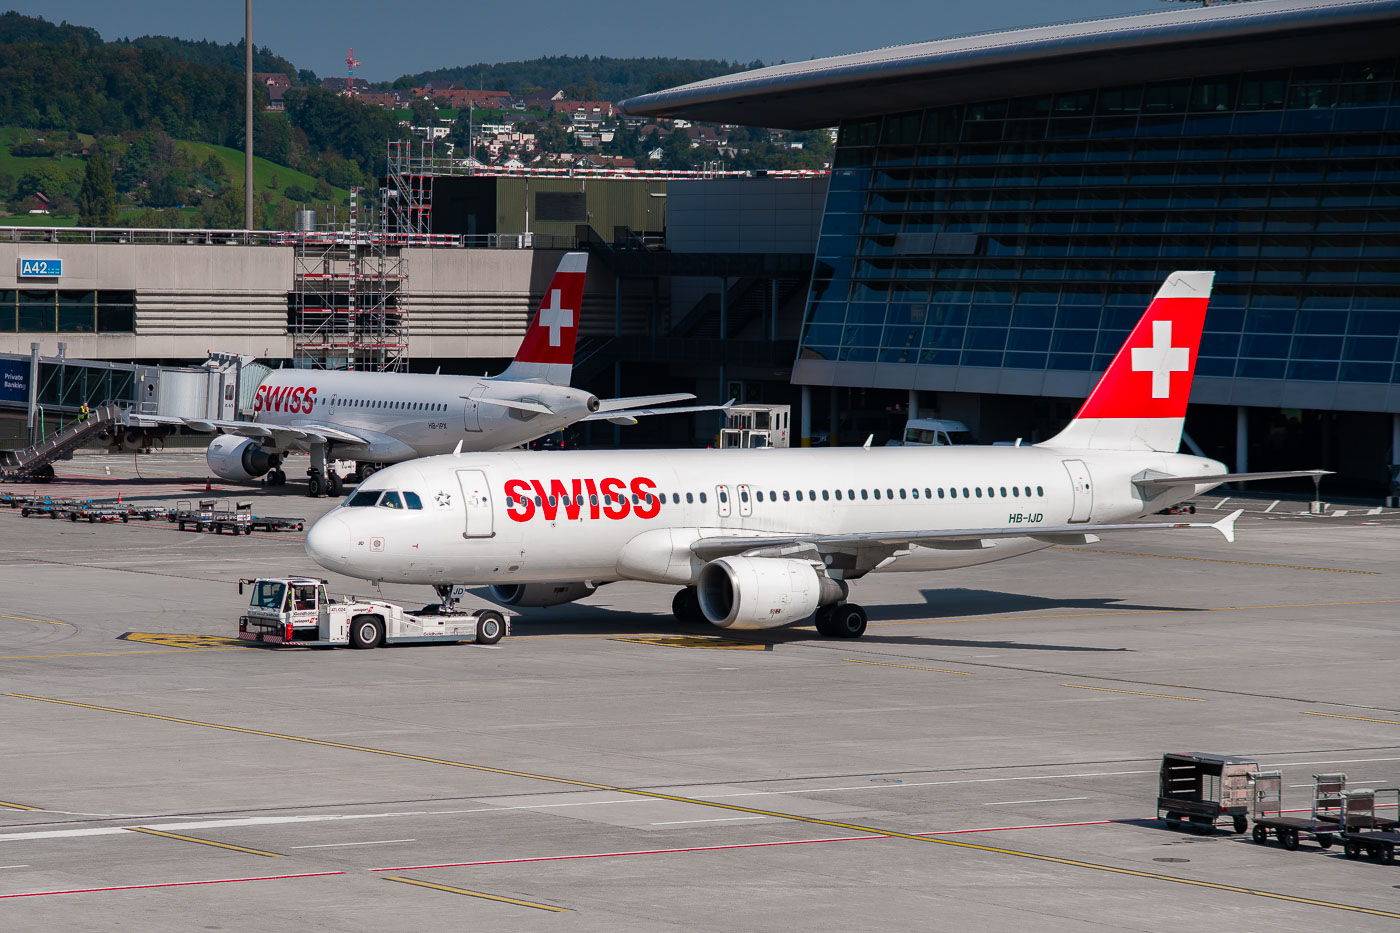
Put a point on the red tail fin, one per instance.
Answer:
(547, 352)
(1140, 402)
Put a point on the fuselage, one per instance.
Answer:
(407, 415)
(537, 517)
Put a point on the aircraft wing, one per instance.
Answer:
(1165, 481)
(641, 401)
(630, 415)
(279, 433)
(875, 547)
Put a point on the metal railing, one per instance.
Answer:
(181, 236)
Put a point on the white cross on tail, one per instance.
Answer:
(1161, 359)
(554, 317)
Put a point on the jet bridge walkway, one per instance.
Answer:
(36, 462)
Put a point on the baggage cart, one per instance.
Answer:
(1202, 788)
(1367, 830)
(1323, 824)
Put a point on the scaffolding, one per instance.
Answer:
(349, 296)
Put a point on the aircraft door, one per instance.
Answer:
(473, 412)
(330, 405)
(745, 503)
(722, 500)
(1083, 490)
(476, 498)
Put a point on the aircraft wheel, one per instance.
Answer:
(276, 478)
(366, 632)
(314, 486)
(825, 625)
(490, 626)
(685, 606)
(849, 620)
(334, 485)
(365, 470)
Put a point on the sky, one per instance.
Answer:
(392, 39)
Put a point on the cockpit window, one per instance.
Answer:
(412, 501)
(362, 498)
(390, 500)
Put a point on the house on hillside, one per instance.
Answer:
(542, 99)
(276, 84)
(339, 85)
(40, 204)
(584, 112)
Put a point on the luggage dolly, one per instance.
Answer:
(1324, 824)
(1377, 836)
(1202, 788)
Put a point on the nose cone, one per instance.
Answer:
(328, 542)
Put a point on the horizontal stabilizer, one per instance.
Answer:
(630, 416)
(1215, 478)
(518, 405)
(642, 401)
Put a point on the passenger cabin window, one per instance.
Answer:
(702, 498)
(1039, 491)
(689, 498)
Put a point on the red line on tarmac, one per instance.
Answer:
(172, 884)
(744, 845)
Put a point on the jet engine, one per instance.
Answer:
(763, 592)
(239, 458)
(540, 595)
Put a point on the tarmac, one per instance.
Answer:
(985, 758)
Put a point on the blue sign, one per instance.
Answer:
(14, 381)
(40, 268)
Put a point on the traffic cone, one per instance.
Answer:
(208, 484)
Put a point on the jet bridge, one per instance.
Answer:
(46, 398)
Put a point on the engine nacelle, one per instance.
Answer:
(539, 595)
(763, 592)
(239, 458)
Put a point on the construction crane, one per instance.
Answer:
(350, 64)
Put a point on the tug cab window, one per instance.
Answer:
(269, 595)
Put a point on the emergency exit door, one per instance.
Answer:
(476, 498)
(1083, 490)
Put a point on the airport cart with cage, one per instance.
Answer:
(1323, 823)
(1202, 788)
(1367, 830)
(298, 611)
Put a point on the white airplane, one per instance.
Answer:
(379, 418)
(756, 539)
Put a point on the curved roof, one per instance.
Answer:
(1154, 46)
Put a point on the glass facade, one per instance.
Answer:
(65, 311)
(1031, 233)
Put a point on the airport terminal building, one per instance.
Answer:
(1002, 208)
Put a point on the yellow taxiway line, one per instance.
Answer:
(736, 808)
(203, 842)
(490, 897)
(17, 806)
(1388, 722)
(27, 619)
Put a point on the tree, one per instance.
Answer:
(97, 201)
(224, 212)
(424, 113)
(677, 154)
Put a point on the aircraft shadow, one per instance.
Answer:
(961, 602)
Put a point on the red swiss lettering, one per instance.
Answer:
(592, 498)
(258, 398)
(571, 500)
(517, 497)
(619, 506)
(295, 399)
(649, 503)
(310, 401)
(547, 508)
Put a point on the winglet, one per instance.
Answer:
(457, 451)
(1226, 526)
(868, 439)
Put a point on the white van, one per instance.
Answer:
(934, 432)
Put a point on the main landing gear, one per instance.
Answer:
(320, 479)
(841, 620)
(276, 478)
